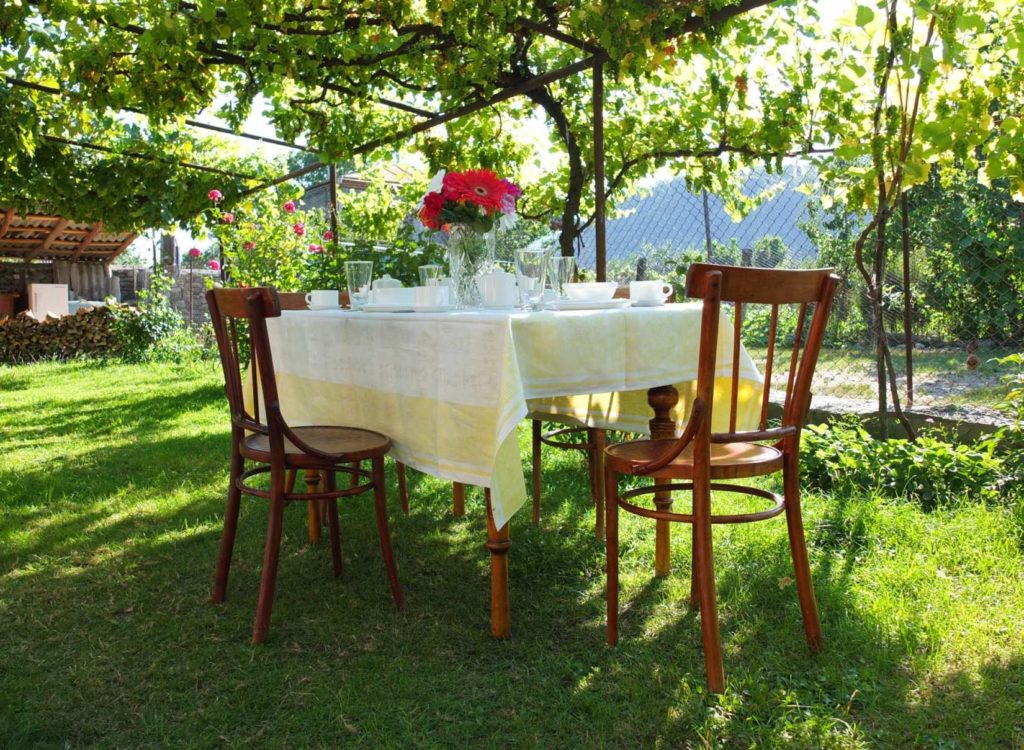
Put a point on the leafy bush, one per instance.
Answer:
(841, 456)
(155, 331)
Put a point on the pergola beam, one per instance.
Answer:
(57, 229)
(96, 229)
(504, 94)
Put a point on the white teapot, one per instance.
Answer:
(497, 288)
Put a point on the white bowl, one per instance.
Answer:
(591, 291)
(392, 296)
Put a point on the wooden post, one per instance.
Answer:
(662, 400)
(599, 196)
(459, 499)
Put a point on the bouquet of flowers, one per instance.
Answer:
(476, 198)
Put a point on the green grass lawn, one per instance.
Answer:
(112, 484)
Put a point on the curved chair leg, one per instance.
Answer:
(798, 549)
(611, 494)
(706, 576)
(271, 555)
(595, 439)
(227, 539)
(536, 470)
(403, 487)
(694, 570)
(330, 485)
(380, 503)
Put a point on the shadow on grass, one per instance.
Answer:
(112, 640)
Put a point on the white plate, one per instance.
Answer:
(648, 302)
(324, 307)
(497, 307)
(431, 308)
(387, 308)
(588, 304)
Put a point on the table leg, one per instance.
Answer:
(312, 478)
(662, 400)
(458, 499)
(498, 543)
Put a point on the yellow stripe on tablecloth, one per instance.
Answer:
(460, 442)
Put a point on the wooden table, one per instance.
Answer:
(450, 389)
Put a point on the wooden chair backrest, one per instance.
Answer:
(232, 313)
(808, 294)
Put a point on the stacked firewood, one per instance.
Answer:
(89, 332)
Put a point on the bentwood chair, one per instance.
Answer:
(588, 440)
(275, 448)
(699, 459)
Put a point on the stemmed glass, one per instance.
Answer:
(562, 269)
(358, 274)
(531, 270)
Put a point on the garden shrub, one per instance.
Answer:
(841, 456)
(155, 331)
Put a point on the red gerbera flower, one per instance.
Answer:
(479, 186)
(431, 211)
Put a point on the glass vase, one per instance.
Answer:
(470, 253)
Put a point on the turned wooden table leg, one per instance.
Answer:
(312, 478)
(663, 427)
(498, 543)
(459, 499)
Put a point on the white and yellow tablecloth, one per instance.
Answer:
(450, 389)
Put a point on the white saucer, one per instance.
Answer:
(324, 307)
(497, 307)
(588, 304)
(648, 302)
(387, 308)
(431, 308)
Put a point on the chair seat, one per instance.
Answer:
(728, 460)
(348, 443)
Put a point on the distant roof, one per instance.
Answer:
(49, 237)
(670, 215)
(318, 196)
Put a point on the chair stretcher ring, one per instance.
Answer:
(294, 496)
(778, 503)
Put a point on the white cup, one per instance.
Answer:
(650, 292)
(430, 296)
(497, 289)
(322, 298)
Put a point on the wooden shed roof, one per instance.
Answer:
(48, 237)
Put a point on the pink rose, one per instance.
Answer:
(228, 218)
(316, 248)
(248, 245)
(289, 207)
(299, 228)
(328, 235)
(194, 252)
(215, 195)
(214, 265)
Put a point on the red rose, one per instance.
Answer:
(328, 235)
(289, 207)
(299, 228)
(228, 218)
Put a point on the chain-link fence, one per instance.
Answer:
(959, 250)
